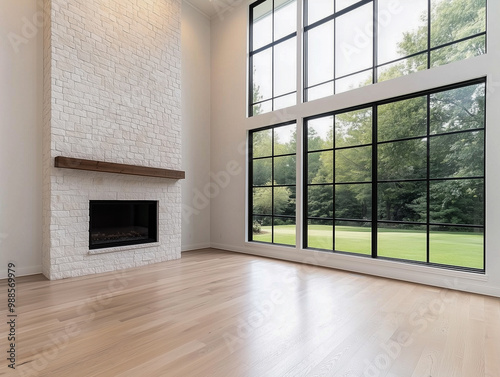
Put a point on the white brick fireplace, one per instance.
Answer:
(112, 93)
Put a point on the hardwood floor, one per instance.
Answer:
(216, 313)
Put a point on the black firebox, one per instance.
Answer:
(122, 222)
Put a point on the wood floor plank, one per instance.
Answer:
(216, 313)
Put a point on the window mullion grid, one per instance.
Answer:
(334, 189)
(484, 180)
(334, 83)
(428, 177)
(375, 42)
(298, 198)
(305, 187)
(272, 86)
(429, 10)
(272, 187)
(374, 180)
(250, 68)
(250, 187)
(306, 65)
(300, 62)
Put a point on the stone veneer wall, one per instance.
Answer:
(112, 92)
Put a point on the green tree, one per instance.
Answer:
(263, 200)
(451, 20)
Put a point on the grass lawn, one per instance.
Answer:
(451, 248)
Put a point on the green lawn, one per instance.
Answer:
(451, 248)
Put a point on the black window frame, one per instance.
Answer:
(252, 52)
(375, 181)
(375, 65)
(251, 186)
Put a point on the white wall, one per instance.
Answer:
(195, 40)
(21, 82)
(229, 129)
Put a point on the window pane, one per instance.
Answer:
(284, 170)
(457, 202)
(320, 167)
(262, 24)
(353, 202)
(353, 128)
(402, 160)
(284, 139)
(458, 109)
(318, 9)
(354, 41)
(320, 133)
(402, 201)
(402, 119)
(320, 234)
(285, 101)
(353, 237)
(262, 107)
(284, 231)
(457, 155)
(457, 246)
(353, 81)
(320, 54)
(320, 91)
(320, 201)
(275, 203)
(285, 18)
(407, 242)
(262, 75)
(262, 229)
(402, 67)
(263, 201)
(455, 19)
(396, 27)
(262, 143)
(353, 165)
(262, 172)
(285, 67)
(459, 51)
(284, 201)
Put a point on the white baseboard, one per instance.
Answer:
(22, 271)
(195, 246)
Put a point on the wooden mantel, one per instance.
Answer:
(111, 167)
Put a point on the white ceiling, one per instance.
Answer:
(209, 7)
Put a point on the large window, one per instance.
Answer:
(351, 43)
(272, 171)
(400, 179)
(273, 55)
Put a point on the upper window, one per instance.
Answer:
(272, 170)
(400, 179)
(273, 55)
(345, 49)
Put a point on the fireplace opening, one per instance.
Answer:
(122, 222)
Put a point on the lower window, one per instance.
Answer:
(272, 172)
(400, 179)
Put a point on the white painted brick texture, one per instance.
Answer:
(112, 93)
